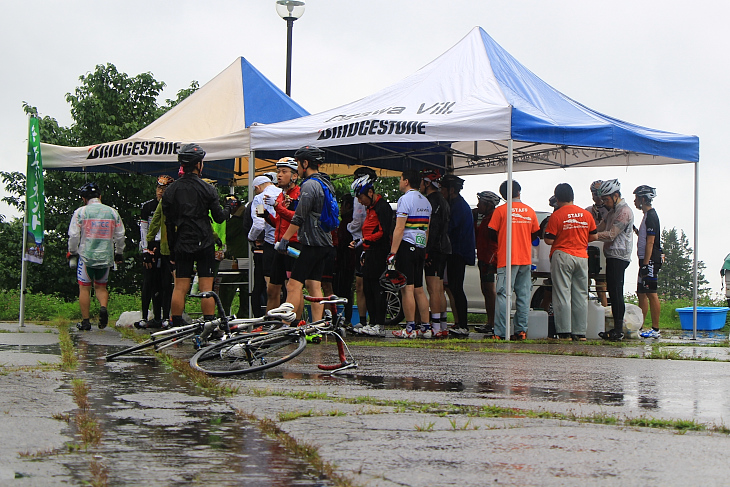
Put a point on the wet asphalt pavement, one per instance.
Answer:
(371, 422)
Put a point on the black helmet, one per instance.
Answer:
(89, 190)
(310, 153)
(190, 154)
(451, 181)
(393, 280)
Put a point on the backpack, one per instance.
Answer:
(329, 219)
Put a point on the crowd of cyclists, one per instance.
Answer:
(429, 238)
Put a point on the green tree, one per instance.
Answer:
(676, 277)
(386, 186)
(107, 106)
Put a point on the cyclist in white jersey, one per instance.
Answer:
(96, 238)
(408, 249)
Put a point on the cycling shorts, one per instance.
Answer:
(86, 276)
(203, 260)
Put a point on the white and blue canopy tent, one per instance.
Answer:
(216, 116)
(476, 110)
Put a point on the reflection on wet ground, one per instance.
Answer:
(158, 430)
(682, 389)
(54, 349)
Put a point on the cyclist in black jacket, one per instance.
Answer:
(376, 231)
(187, 204)
(438, 248)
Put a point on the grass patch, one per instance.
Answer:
(86, 423)
(493, 411)
(69, 360)
(207, 383)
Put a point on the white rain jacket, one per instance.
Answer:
(617, 231)
(96, 233)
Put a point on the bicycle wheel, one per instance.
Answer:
(156, 343)
(246, 354)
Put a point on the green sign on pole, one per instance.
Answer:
(34, 196)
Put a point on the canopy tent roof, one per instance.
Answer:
(460, 110)
(216, 116)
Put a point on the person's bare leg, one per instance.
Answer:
(315, 290)
(102, 294)
(294, 294)
(273, 296)
(206, 305)
(409, 303)
(362, 307)
(656, 306)
(643, 304)
(489, 290)
(421, 303)
(84, 301)
(177, 304)
(453, 305)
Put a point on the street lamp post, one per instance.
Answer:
(289, 10)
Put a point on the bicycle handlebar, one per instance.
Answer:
(221, 311)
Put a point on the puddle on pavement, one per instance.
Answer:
(675, 388)
(44, 349)
(159, 431)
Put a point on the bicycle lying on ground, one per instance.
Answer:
(201, 331)
(253, 352)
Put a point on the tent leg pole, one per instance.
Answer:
(251, 171)
(508, 268)
(694, 260)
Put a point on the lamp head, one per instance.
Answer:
(290, 9)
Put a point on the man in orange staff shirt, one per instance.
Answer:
(525, 227)
(569, 230)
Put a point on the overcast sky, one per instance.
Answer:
(661, 64)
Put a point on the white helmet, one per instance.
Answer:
(289, 162)
(609, 187)
(489, 197)
(646, 191)
(361, 185)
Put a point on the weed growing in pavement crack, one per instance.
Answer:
(69, 360)
(427, 427)
(305, 451)
(99, 474)
(85, 420)
(493, 411)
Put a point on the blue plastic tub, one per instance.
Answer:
(708, 317)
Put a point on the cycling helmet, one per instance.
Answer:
(89, 190)
(190, 154)
(392, 280)
(271, 176)
(646, 191)
(164, 180)
(431, 176)
(595, 185)
(489, 197)
(609, 187)
(212, 182)
(361, 185)
(310, 153)
(553, 202)
(365, 171)
(289, 162)
(451, 181)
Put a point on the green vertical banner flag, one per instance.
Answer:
(34, 196)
